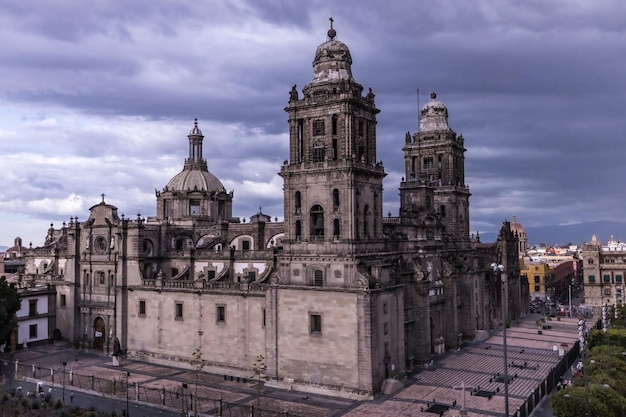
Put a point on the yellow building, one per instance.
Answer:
(539, 275)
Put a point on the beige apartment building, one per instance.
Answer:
(604, 268)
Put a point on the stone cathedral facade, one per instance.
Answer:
(338, 297)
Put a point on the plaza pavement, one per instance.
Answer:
(531, 357)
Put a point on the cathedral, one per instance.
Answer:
(338, 298)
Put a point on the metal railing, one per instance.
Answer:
(183, 399)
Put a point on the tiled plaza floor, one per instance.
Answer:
(477, 365)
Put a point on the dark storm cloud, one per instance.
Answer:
(107, 93)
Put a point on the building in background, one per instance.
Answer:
(36, 319)
(604, 268)
(12, 261)
(540, 277)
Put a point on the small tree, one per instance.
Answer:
(10, 303)
(258, 374)
(198, 363)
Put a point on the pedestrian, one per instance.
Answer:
(71, 397)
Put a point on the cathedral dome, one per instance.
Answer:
(190, 180)
(195, 176)
(434, 115)
(332, 61)
(516, 227)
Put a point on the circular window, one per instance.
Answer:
(100, 244)
(147, 247)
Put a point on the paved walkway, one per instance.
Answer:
(427, 393)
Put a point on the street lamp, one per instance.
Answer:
(64, 365)
(498, 270)
(11, 366)
(127, 376)
(570, 301)
(582, 338)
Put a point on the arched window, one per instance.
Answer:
(336, 230)
(297, 201)
(298, 230)
(317, 222)
(335, 198)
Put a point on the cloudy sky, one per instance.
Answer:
(98, 97)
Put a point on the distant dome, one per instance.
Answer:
(195, 180)
(518, 230)
(434, 115)
(516, 227)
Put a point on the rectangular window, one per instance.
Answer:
(142, 308)
(221, 314)
(32, 331)
(592, 279)
(210, 274)
(384, 308)
(251, 276)
(319, 152)
(63, 300)
(179, 311)
(318, 278)
(607, 278)
(194, 207)
(536, 288)
(607, 292)
(385, 328)
(245, 245)
(315, 324)
(101, 278)
(318, 128)
(618, 278)
(263, 318)
(32, 308)
(537, 279)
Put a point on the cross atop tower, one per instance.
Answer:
(331, 32)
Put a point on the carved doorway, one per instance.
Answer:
(99, 333)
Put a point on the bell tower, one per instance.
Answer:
(434, 160)
(332, 180)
